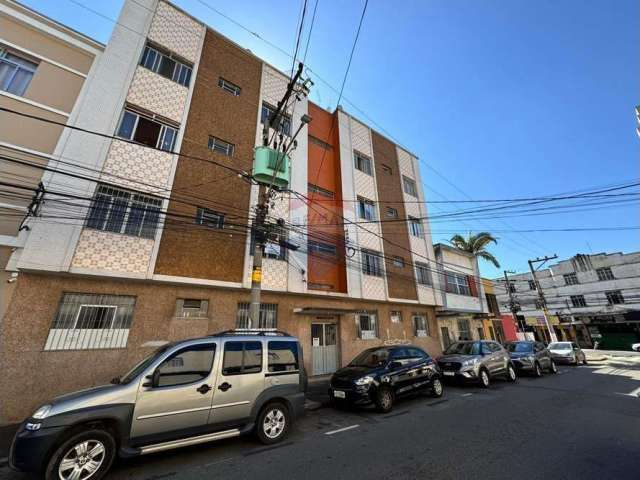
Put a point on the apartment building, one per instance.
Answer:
(156, 245)
(36, 53)
(590, 298)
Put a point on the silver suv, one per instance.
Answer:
(476, 361)
(188, 392)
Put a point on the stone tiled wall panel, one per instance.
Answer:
(360, 138)
(176, 31)
(158, 94)
(405, 160)
(274, 85)
(420, 249)
(275, 272)
(373, 287)
(99, 250)
(365, 186)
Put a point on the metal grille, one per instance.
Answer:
(268, 316)
(89, 321)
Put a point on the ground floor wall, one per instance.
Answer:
(32, 373)
(449, 329)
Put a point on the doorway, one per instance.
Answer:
(324, 348)
(446, 339)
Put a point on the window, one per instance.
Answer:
(578, 301)
(227, 86)
(319, 190)
(422, 273)
(481, 333)
(241, 358)
(457, 284)
(191, 308)
(512, 288)
(614, 297)
(409, 186)
(209, 218)
(398, 261)
(189, 365)
(605, 274)
(272, 250)
(387, 169)
(121, 211)
(283, 357)
(15, 72)
(391, 212)
(165, 64)
(371, 263)
(91, 321)
(420, 326)
(144, 130)
(321, 248)
(492, 303)
(570, 279)
(362, 163)
(367, 326)
(320, 143)
(532, 285)
(464, 331)
(415, 227)
(222, 147)
(366, 209)
(268, 316)
(284, 120)
(395, 316)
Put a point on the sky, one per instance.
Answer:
(499, 99)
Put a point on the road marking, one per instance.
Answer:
(341, 430)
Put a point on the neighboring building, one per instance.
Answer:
(590, 298)
(463, 305)
(499, 327)
(43, 67)
(159, 248)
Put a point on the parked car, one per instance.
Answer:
(531, 357)
(379, 375)
(185, 393)
(636, 347)
(567, 352)
(476, 361)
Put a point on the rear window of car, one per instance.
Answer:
(283, 357)
(463, 348)
(242, 358)
(518, 347)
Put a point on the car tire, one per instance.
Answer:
(484, 378)
(511, 374)
(553, 368)
(537, 370)
(384, 400)
(437, 389)
(91, 451)
(273, 423)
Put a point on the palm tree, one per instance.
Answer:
(477, 245)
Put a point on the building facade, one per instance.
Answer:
(152, 242)
(590, 298)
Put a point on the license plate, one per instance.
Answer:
(449, 374)
(339, 394)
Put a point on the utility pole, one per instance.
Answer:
(258, 229)
(513, 306)
(543, 302)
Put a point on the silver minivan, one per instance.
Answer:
(185, 393)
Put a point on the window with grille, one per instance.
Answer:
(319, 190)
(191, 308)
(420, 325)
(371, 263)
(415, 227)
(367, 325)
(422, 273)
(268, 316)
(366, 209)
(570, 279)
(464, 331)
(392, 212)
(16, 72)
(457, 284)
(532, 285)
(321, 248)
(142, 129)
(605, 274)
(229, 87)
(578, 301)
(409, 186)
(395, 316)
(614, 297)
(91, 321)
(166, 64)
(209, 218)
(284, 120)
(362, 163)
(512, 288)
(122, 211)
(220, 146)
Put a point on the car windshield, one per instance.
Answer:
(560, 346)
(518, 347)
(373, 357)
(463, 348)
(140, 367)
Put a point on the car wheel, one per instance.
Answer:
(86, 455)
(553, 368)
(384, 399)
(511, 373)
(484, 378)
(537, 371)
(437, 390)
(273, 423)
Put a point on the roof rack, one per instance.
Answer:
(252, 331)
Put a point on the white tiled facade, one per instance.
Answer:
(98, 250)
(157, 94)
(176, 31)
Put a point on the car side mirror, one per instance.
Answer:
(152, 380)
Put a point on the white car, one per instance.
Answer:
(636, 347)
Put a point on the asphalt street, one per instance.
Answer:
(581, 424)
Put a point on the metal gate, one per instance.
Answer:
(324, 348)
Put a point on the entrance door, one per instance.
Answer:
(446, 339)
(324, 348)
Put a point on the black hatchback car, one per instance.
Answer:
(381, 374)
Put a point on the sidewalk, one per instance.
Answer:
(633, 358)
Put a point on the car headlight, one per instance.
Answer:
(471, 361)
(42, 412)
(364, 380)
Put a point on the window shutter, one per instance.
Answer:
(472, 285)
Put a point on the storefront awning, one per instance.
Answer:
(324, 311)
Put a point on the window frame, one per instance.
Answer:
(423, 275)
(424, 318)
(285, 124)
(220, 146)
(171, 356)
(312, 188)
(391, 212)
(386, 169)
(416, 227)
(190, 312)
(181, 72)
(366, 209)
(409, 186)
(605, 274)
(460, 288)
(397, 314)
(614, 295)
(375, 268)
(229, 87)
(320, 248)
(242, 367)
(578, 301)
(571, 279)
(532, 285)
(359, 162)
(202, 215)
(268, 316)
(271, 372)
(373, 320)
(5, 86)
(398, 261)
(165, 129)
